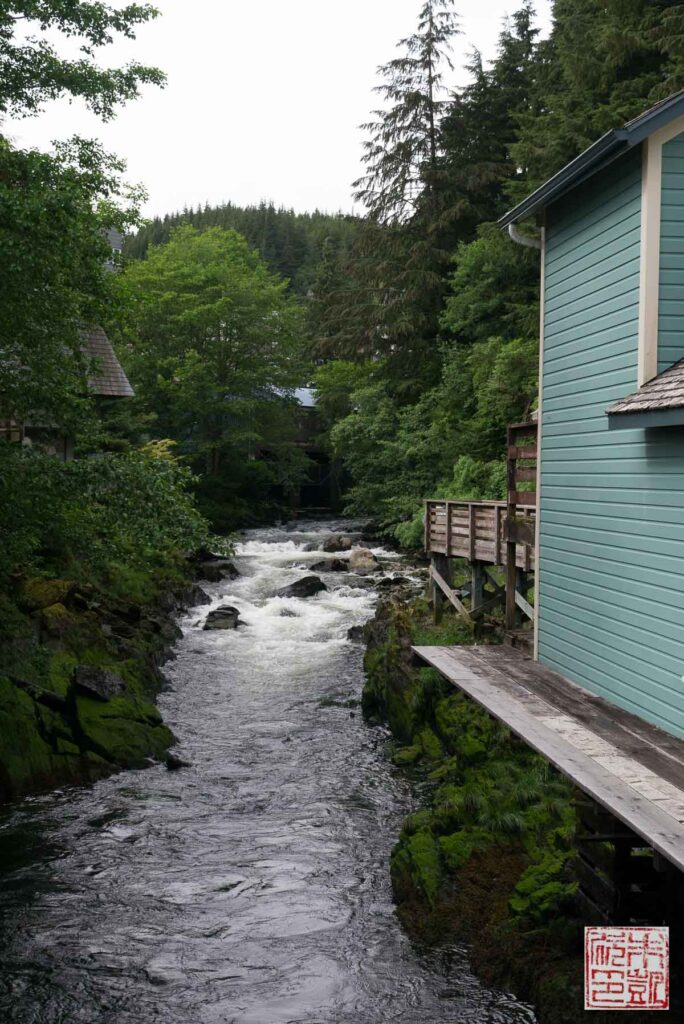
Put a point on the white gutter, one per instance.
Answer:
(528, 240)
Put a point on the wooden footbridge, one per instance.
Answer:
(489, 534)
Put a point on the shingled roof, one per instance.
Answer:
(666, 391)
(110, 379)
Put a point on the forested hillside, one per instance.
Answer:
(291, 244)
(427, 328)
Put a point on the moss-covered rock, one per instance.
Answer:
(416, 864)
(51, 730)
(124, 733)
(39, 593)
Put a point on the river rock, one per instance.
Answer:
(308, 586)
(100, 683)
(331, 565)
(339, 542)
(217, 569)
(173, 762)
(358, 582)
(391, 582)
(355, 634)
(225, 617)
(363, 561)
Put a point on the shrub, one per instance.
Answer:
(133, 509)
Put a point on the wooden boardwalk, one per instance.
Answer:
(631, 768)
(475, 530)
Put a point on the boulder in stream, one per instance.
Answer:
(392, 582)
(217, 569)
(225, 617)
(356, 634)
(307, 586)
(338, 542)
(174, 762)
(363, 561)
(331, 565)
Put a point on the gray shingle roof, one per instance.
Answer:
(109, 378)
(666, 391)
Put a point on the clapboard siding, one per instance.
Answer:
(611, 565)
(671, 293)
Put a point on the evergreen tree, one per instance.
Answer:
(402, 151)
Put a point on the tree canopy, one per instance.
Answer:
(214, 345)
(32, 70)
(430, 320)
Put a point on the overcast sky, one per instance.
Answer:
(263, 99)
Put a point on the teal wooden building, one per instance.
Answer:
(610, 528)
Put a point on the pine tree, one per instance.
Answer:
(402, 152)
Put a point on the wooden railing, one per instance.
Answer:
(476, 530)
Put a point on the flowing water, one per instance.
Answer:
(252, 887)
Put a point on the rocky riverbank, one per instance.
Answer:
(79, 673)
(488, 856)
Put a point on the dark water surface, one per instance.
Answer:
(253, 887)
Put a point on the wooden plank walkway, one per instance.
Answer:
(630, 767)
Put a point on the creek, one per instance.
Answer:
(253, 886)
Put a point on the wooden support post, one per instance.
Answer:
(448, 529)
(477, 585)
(428, 506)
(442, 565)
(497, 532)
(520, 594)
(447, 590)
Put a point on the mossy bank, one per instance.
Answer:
(488, 858)
(79, 672)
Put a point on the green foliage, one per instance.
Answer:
(416, 863)
(213, 344)
(55, 210)
(433, 300)
(449, 444)
(544, 890)
(32, 70)
(297, 246)
(84, 517)
(494, 813)
(494, 290)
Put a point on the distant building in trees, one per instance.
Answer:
(107, 380)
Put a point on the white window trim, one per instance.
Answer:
(540, 405)
(649, 256)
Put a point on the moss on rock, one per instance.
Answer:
(49, 733)
(39, 593)
(124, 733)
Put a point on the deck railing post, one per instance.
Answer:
(472, 528)
(428, 505)
(511, 553)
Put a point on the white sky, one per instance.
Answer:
(263, 99)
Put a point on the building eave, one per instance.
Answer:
(601, 153)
